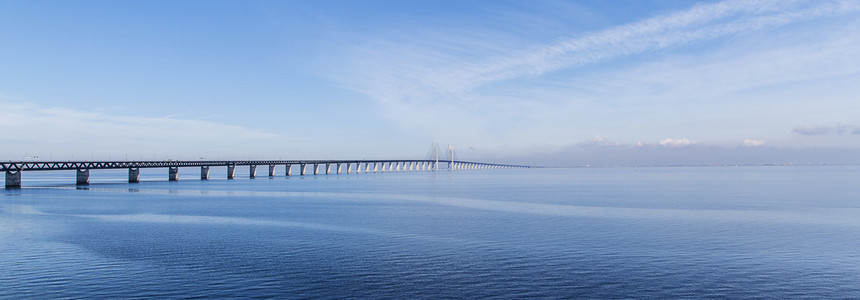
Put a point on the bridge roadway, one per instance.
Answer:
(13, 170)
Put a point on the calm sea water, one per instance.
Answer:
(776, 232)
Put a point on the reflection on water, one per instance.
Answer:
(597, 233)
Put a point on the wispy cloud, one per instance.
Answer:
(812, 130)
(843, 128)
(840, 128)
(464, 88)
(59, 129)
(700, 23)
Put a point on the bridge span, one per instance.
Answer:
(13, 170)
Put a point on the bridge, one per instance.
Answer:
(13, 170)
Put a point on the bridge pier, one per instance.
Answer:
(338, 168)
(82, 177)
(13, 179)
(252, 171)
(204, 173)
(327, 169)
(366, 167)
(231, 171)
(302, 169)
(348, 168)
(173, 173)
(289, 171)
(397, 167)
(316, 169)
(374, 168)
(133, 175)
(271, 170)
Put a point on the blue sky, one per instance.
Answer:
(550, 82)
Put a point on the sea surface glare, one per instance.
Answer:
(684, 232)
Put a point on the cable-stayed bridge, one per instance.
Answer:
(13, 170)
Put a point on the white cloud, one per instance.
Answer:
(670, 142)
(753, 143)
(599, 141)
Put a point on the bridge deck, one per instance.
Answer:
(86, 165)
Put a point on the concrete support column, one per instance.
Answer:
(348, 168)
(289, 170)
(133, 175)
(397, 167)
(82, 177)
(316, 169)
(302, 169)
(204, 173)
(13, 179)
(411, 166)
(252, 171)
(173, 173)
(327, 169)
(366, 167)
(231, 171)
(271, 170)
(338, 168)
(374, 167)
(390, 166)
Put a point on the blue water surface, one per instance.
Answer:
(775, 232)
